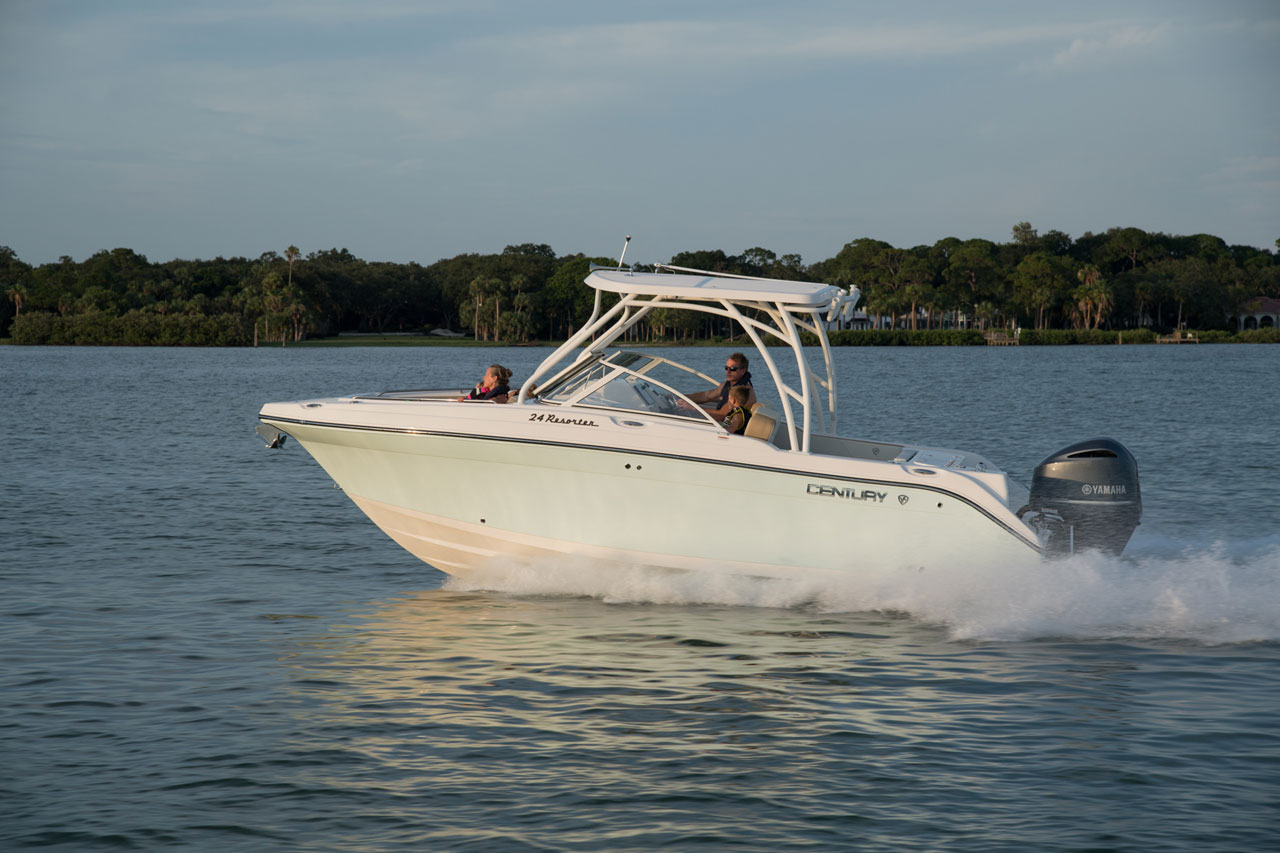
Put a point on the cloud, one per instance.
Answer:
(1248, 168)
(671, 45)
(1123, 43)
(496, 82)
(1252, 182)
(817, 103)
(468, 82)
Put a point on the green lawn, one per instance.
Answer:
(399, 341)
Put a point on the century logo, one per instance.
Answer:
(847, 492)
(1118, 489)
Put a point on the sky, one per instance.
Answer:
(414, 131)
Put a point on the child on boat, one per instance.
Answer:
(736, 421)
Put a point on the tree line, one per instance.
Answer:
(1122, 279)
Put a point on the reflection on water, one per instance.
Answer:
(652, 724)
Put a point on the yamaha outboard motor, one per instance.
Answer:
(1085, 497)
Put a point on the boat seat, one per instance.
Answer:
(763, 424)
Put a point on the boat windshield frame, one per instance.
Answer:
(762, 308)
(611, 381)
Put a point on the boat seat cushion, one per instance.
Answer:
(763, 424)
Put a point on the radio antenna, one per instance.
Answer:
(624, 251)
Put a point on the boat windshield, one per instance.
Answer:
(631, 381)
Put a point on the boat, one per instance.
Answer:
(602, 455)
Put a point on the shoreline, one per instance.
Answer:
(425, 342)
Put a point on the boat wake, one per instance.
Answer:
(1212, 593)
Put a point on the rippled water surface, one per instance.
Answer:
(205, 646)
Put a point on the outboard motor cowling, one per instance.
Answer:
(1085, 496)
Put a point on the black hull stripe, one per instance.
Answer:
(656, 455)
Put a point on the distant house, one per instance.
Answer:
(1260, 313)
(857, 320)
(446, 333)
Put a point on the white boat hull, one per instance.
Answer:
(459, 500)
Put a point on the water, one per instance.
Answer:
(205, 646)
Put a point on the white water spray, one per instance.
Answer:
(1210, 593)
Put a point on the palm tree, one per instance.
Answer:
(986, 313)
(1037, 282)
(291, 254)
(16, 294)
(481, 289)
(1093, 297)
